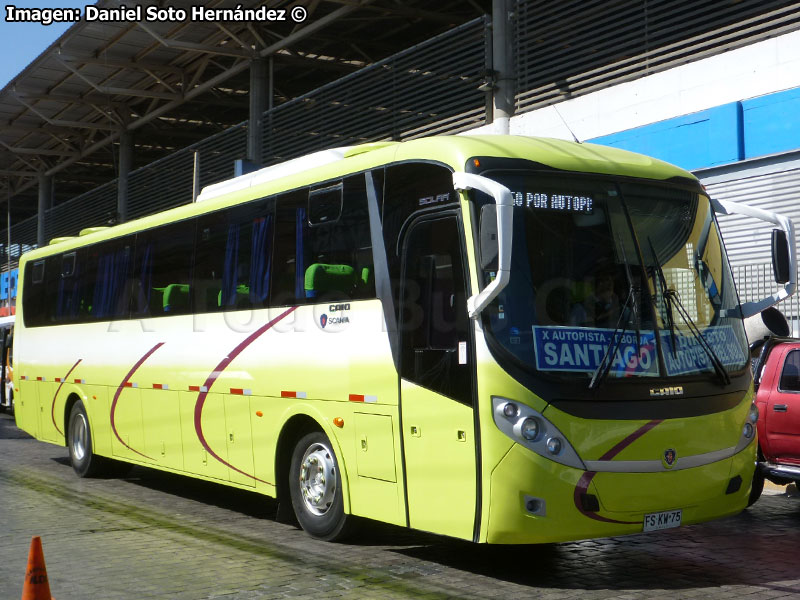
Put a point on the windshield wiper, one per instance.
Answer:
(671, 298)
(633, 300)
(602, 370)
(662, 283)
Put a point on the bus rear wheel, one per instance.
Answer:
(84, 461)
(315, 488)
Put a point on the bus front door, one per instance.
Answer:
(436, 366)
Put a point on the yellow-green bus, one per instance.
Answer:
(495, 338)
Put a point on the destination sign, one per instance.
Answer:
(557, 202)
(692, 358)
(581, 349)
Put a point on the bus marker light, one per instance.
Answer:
(259, 413)
(363, 398)
(292, 394)
(338, 421)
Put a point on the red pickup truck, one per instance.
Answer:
(776, 376)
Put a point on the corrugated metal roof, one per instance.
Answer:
(180, 82)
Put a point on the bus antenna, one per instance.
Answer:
(563, 120)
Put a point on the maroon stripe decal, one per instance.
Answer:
(61, 383)
(121, 387)
(630, 439)
(223, 364)
(583, 483)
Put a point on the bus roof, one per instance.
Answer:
(453, 151)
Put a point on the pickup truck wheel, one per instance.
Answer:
(757, 487)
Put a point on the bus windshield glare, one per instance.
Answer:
(623, 277)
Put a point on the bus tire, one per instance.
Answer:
(84, 461)
(757, 487)
(316, 490)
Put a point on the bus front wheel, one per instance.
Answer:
(315, 488)
(79, 441)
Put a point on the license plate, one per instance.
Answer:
(662, 520)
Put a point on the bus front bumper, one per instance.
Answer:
(535, 500)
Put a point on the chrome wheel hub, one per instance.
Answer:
(318, 479)
(79, 437)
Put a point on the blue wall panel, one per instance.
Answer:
(772, 123)
(710, 137)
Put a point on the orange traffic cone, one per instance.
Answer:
(36, 585)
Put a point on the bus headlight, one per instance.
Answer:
(748, 430)
(529, 428)
(753, 416)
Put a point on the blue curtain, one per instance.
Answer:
(260, 260)
(112, 273)
(145, 279)
(230, 270)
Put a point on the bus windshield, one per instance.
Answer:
(621, 276)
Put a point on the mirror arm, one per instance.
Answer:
(505, 214)
(728, 207)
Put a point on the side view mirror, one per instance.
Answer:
(784, 258)
(780, 256)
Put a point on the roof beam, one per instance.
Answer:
(115, 91)
(413, 13)
(195, 47)
(11, 173)
(81, 100)
(41, 151)
(63, 122)
(214, 81)
(123, 64)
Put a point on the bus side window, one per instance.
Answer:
(233, 260)
(409, 188)
(339, 261)
(106, 293)
(33, 294)
(163, 270)
(291, 242)
(323, 249)
(52, 281)
(70, 287)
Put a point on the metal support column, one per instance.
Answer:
(260, 78)
(125, 166)
(503, 63)
(45, 204)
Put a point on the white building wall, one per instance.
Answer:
(762, 68)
